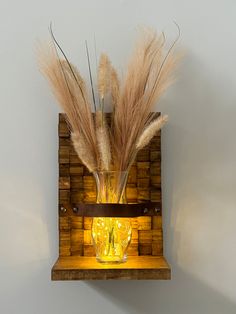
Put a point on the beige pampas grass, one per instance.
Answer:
(115, 87)
(99, 144)
(148, 75)
(104, 147)
(70, 91)
(83, 151)
(151, 131)
(103, 140)
(104, 73)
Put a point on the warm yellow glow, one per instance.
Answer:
(111, 237)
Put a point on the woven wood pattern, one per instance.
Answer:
(77, 185)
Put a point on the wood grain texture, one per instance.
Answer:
(77, 187)
(87, 268)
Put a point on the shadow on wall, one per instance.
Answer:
(183, 294)
(199, 154)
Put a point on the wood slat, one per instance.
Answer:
(86, 268)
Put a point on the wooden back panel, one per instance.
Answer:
(77, 185)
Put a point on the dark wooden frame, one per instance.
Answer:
(77, 197)
(112, 210)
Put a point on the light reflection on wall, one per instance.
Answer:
(27, 239)
(203, 226)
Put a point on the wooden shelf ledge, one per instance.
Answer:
(87, 268)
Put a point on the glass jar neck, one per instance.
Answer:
(111, 186)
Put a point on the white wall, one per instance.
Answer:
(199, 157)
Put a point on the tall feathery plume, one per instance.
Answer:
(104, 147)
(68, 69)
(149, 73)
(115, 87)
(103, 141)
(151, 131)
(104, 73)
(132, 112)
(83, 151)
(70, 91)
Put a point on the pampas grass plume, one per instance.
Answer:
(104, 70)
(104, 147)
(150, 131)
(115, 87)
(82, 150)
(103, 141)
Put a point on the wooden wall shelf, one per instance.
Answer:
(87, 268)
(76, 206)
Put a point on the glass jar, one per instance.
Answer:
(111, 235)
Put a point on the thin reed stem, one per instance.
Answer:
(90, 75)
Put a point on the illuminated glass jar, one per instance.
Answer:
(111, 236)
